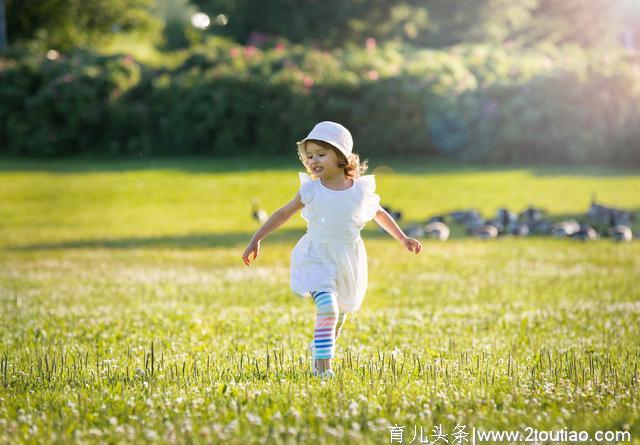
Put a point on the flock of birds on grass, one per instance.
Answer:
(598, 221)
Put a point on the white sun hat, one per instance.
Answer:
(332, 133)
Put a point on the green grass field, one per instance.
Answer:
(127, 315)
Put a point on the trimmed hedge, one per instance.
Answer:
(471, 103)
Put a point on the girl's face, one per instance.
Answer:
(323, 162)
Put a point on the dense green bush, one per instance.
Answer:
(61, 107)
(472, 102)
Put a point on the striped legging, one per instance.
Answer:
(329, 322)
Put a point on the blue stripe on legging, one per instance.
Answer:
(322, 297)
(320, 294)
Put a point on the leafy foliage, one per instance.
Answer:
(64, 24)
(428, 23)
(472, 102)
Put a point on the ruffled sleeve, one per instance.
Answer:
(371, 201)
(306, 188)
(306, 194)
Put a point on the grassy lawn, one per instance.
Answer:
(127, 316)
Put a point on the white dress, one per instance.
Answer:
(331, 256)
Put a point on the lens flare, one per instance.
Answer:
(52, 54)
(200, 20)
(222, 20)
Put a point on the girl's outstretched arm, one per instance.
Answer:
(276, 220)
(388, 223)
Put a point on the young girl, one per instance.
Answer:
(329, 263)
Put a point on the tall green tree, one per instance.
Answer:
(452, 22)
(3, 27)
(63, 24)
(324, 22)
(429, 23)
(584, 22)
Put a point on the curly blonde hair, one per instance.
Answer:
(353, 167)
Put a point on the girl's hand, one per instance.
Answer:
(412, 245)
(253, 247)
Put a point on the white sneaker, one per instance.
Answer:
(328, 373)
(314, 371)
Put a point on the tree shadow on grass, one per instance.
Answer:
(188, 241)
